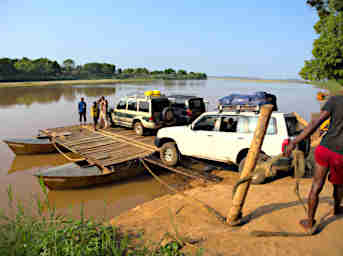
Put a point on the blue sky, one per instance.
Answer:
(269, 38)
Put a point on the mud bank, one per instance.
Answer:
(270, 207)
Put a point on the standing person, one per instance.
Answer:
(328, 157)
(95, 114)
(103, 118)
(82, 111)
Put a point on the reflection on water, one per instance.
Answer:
(28, 162)
(26, 110)
(29, 95)
(117, 197)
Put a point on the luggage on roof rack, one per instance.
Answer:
(247, 102)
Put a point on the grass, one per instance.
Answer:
(26, 232)
(332, 86)
(72, 82)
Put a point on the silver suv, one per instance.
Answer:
(143, 113)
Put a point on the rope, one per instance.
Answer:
(63, 154)
(202, 205)
(126, 140)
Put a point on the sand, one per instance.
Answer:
(269, 207)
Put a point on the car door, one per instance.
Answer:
(198, 139)
(131, 112)
(119, 112)
(226, 140)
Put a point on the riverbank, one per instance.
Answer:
(252, 80)
(73, 82)
(40, 230)
(270, 207)
(332, 86)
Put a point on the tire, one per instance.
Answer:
(257, 178)
(168, 115)
(139, 129)
(169, 154)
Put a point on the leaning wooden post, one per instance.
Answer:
(235, 213)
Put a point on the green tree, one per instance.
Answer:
(327, 61)
(169, 71)
(182, 72)
(69, 65)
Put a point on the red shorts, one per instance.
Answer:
(332, 160)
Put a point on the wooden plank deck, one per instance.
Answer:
(115, 146)
(104, 147)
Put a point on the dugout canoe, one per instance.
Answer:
(30, 146)
(74, 176)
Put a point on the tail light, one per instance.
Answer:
(285, 144)
(189, 112)
(151, 119)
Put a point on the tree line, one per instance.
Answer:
(327, 61)
(44, 69)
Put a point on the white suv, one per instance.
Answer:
(224, 137)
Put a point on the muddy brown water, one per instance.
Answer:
(23, 111)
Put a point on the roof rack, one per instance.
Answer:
(239, 108)
(142, 96)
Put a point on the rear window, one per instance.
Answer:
(248, 125)
(159, 104)
(196, 104)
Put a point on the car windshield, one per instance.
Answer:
(159, 104)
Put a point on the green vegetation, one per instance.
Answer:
(332, 86)
(327, 61)
(43, 69)
(42, 231)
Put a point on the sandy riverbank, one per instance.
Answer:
(72, 82)
(252, 80)
(270, 207)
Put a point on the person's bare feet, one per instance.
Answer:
(307, 225)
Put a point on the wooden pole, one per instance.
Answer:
(235, 212)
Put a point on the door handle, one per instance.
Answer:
(209, 135)
(240, 138)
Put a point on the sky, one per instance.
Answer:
(267, 39)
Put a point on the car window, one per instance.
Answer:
(144, 106)
(121, 105)
(228, 124)
(247, 124)
(291, 123)
(207, 123)
(196, 104)
(132, 105)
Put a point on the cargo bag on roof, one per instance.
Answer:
(256, 99)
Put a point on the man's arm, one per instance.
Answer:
(308, 131)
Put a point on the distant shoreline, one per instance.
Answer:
(71, 82)
(259, 80)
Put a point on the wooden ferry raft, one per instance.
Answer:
(108, 148)
(104, 147)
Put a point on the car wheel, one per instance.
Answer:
(139, 129)
(258, 177)
(169, 154)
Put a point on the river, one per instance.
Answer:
(26, 110)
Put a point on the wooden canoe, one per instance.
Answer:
(73, 176)
(30, 146)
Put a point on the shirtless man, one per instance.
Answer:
(328, 156)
